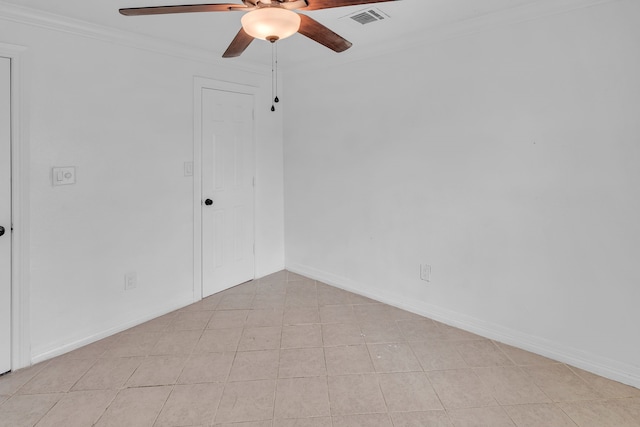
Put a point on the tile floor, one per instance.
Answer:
(286, 351)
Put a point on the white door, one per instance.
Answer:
(5, 215)
(227, 190)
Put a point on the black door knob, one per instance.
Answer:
(208, 202)
(1, 230)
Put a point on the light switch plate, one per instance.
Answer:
(64, 175)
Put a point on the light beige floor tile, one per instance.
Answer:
(266, 301)
(178, 342)
(359, 299)
(3, 398)
(364, 420)
(395, 313)
(273, 288)
(451, 333)
(301, 287)
(278, 276)
(190, 405)
(11, 382)
(260, 338)
(58, 376)
(355, 394)
(206, 368)
(368, 313)
(560, 383)
(300, 300)
(91, 351)
(538, 415)
(200, 306)
(26, 411)
(511, 386)
(301, 336)
(482, 353)
(159, 324)
(393, 357)
(420, 330)
(614, 412)
(304, 422)
(78, 409)
(607, 387)
(293, 277)
(218, 340)
(157, 371)
(228, 319)
(255, 365)
(337, 314)
(302, 362)
(107, 374)
(265, 317)
(130, 345)
(438, 355)
(408, 391)
(247, 288)
(332, 296)
(302, 398)
(480, 417)
(629, 406)
(342, 334)
(301, 316)
(421, 419)
(246, 401)
(381, 332)
(211, 302)
(351, 359)
(265, 423)
(523, 357)
(190, 321)
(137, 407)
(235, 302)
(460, 388)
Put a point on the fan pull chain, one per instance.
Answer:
(276, 98)
(273, 108)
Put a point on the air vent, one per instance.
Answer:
(368, 16)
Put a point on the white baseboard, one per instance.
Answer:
(63, 348)
(608, 368)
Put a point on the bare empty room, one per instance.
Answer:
(324, 213)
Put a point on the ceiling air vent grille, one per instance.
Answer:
(367, 16)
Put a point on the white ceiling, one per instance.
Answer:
(214, 31)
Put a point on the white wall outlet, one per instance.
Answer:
(188, 168)
(63, 175)
(425, 272)
(130, 280)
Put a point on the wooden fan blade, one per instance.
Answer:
(327, 4)
(241, 41)
(187, 8)
(321, 34)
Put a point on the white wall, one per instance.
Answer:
(123, 117)
(508, 160)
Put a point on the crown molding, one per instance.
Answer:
(519, 14)
(54, 22)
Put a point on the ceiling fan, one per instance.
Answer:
(269, 20)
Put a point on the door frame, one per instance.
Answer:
(20, 326)
(200, 83)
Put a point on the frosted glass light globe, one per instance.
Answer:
(271, 23)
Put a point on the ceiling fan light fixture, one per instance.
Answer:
(271, 23)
